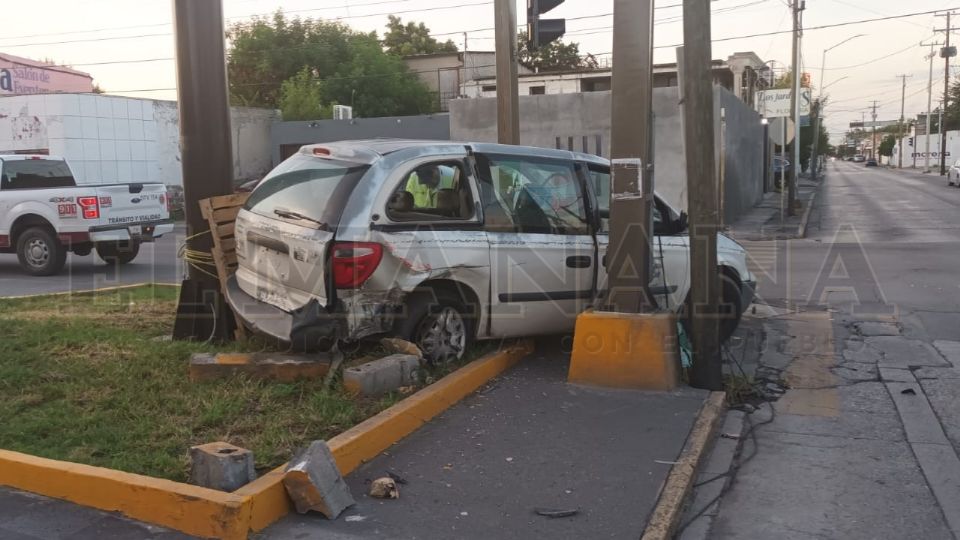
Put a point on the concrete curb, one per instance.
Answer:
(670, 505)
(802, 231)
(214, 514)
(90, 291)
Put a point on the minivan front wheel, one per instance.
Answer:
(438, 323)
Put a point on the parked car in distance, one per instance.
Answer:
(859, 158)
(953, 175)
(443, 243)
(45, 212)
(871, 163)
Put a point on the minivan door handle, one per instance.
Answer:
(579, 261)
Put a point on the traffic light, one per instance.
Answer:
(911, 141)
(543, 31)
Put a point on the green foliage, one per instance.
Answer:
(556, 56)
(412, 38)
(301, 98)
(887, 144)
(349, 67)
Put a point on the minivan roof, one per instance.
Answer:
(370, 150)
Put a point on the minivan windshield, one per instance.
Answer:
(306, 190)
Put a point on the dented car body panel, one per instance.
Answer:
(336, 239)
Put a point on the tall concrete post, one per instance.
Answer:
(206, 152)
(631, 199)
(508, 93)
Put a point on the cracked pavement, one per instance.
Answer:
(860, 322)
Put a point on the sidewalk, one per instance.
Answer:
(763, 221)
(528, 440)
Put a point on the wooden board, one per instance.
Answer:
(221, 213)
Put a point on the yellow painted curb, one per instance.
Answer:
(666, 514)
(91, 291)
(214, 514)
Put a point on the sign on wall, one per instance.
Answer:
(21, 76)
(776, 103)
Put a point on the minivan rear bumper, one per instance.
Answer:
(309, 325)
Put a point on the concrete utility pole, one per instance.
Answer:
(206, 153)
(946, 54)
(926, 151)
(797, 6)
(699, 122)
(631, 200)
(873, 137)
(508, 91)
(903, 102)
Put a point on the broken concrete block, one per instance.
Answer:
(314, 483)
(222, 466)
(384, 488)
(271, 366)
(383, 375)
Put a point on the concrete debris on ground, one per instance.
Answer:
(314, 483)
(221, 466)
(383, 375)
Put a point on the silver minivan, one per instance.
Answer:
(442, 243)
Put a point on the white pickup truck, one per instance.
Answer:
(44, 213)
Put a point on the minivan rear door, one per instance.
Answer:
(286, 228)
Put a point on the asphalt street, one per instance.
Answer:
(861, 323)
(156, 263)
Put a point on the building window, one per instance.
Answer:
(538, 90)
(489, 88)
(595, 84)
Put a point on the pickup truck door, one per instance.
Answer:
(542, 251)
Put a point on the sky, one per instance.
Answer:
(128, 45)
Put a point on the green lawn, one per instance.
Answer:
(88, 378)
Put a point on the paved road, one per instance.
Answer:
(864, 443)
(157, 262)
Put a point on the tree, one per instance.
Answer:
(887, 144)
(349, 67)
(555, 56)
(412, 38)
(301, 98)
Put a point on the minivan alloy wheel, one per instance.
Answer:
(443, 335)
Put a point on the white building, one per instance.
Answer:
(110, 139)
(446, 73)
(741, 73)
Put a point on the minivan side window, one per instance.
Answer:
(532, 196)
(432, 192)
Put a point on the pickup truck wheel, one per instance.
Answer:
(39, 252)
(438, 323)
(118, 252)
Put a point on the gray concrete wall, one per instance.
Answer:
(571, 120)
(428, 127)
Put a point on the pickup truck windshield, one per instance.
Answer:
(35, 174)
(306, 190)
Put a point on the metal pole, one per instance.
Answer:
(699, 123)
(815, 154)
(205, 147)
(873, 140)
(795, 108)
(946, 101)
(508, 92)
(903, 103)
(926, 159)
(631, 200)
(783, 174)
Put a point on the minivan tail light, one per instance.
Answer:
(354, 263)
(89, 207)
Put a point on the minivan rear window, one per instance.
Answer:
(306, 190)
